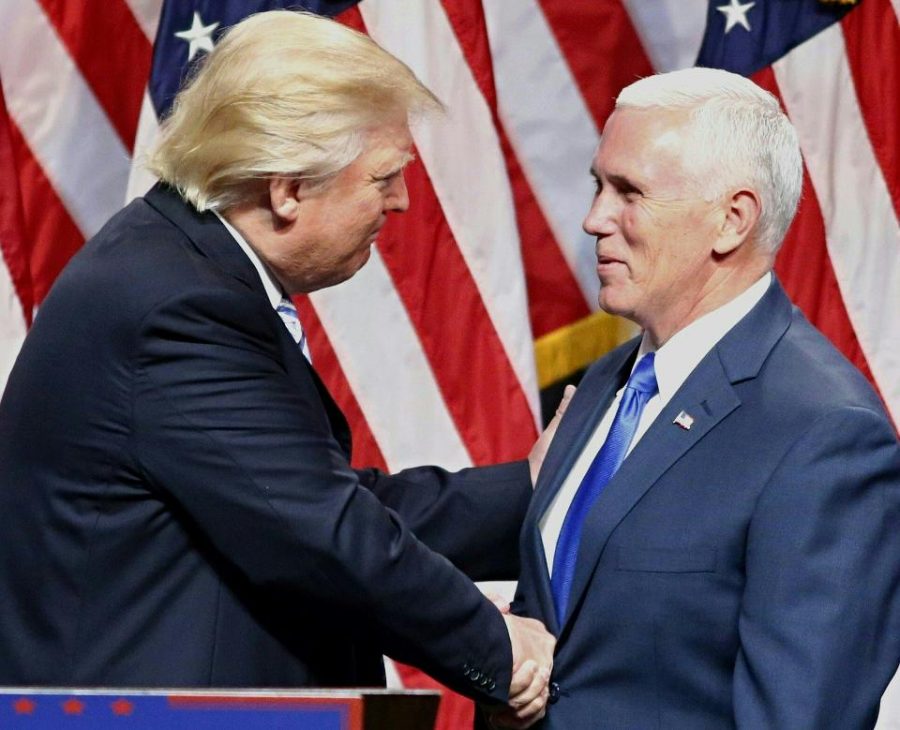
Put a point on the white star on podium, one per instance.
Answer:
(198, 35)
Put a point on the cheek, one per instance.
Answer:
(370, 203)
(642, 239)
(640, 229)
(363, 215)
(682, 263)
(629, 221)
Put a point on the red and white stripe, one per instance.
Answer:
(429, 348)
(861, 226)
(15, 275)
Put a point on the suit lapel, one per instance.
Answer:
(708, 395)
(207, 235)
(593, 397)
(594, 394)
(213, 241)
(339, 425)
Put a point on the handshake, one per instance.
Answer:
(532, 650)
(532, 644)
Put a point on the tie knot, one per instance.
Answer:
(643, 378)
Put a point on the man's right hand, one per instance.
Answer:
(532, 648)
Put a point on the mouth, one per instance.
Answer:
(609, 266)
(604, 260)
(375, 232)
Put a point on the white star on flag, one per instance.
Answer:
(198, 35)
(735, 14)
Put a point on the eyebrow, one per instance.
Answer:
(394, 169)
(619, 182)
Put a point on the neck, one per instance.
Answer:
(716, 293)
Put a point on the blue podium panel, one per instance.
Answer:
(60, 709)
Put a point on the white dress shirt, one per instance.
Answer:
(674, 362)
(271, 285)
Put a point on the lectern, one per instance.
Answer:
(251, 709)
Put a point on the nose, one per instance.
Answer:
(397, 196)
(601, 216)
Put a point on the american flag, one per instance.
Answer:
(484, 293)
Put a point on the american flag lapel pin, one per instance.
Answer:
(684, 420)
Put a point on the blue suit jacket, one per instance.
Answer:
(177, 506)
(744, 572)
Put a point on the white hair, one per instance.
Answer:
(741, 136)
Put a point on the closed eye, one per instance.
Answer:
(624, 187)
(385, 180)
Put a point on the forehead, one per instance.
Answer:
(388, 144)
(643, 139)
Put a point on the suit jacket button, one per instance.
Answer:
(554, 693)
(492, 685)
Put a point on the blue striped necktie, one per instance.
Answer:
(639, 389)
(288, 313)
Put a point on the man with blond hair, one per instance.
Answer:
(176, 499)
(714, 535)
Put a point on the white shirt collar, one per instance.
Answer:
(678, 357)
(271, 285)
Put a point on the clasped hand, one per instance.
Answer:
(532, 647)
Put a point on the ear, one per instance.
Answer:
(742, 209)
(284, 197)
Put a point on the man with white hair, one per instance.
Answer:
(177, 504)
(714, 535)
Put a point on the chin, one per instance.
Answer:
(607, 299)
(618, 306)
(353, 267)
(620, 295)
(322, 280)
(357, 263)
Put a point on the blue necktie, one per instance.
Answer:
(639, 389)
(288, 313)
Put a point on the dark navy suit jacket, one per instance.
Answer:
(177, 506)
(744, 572)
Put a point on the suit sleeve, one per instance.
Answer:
(246, 456)
(820, 617)
(473, 517)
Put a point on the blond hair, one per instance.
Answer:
(283, 92)
(741, 137)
